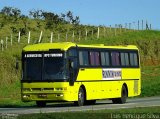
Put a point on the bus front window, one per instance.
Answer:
(32, 69)
(54, 68)
(44, 68)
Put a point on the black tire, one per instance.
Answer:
(90, 102)
(41, 103)
(124, 95)
(81, 97)
(123, 98)
(114, 100)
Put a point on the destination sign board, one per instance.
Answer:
(112, 74)
(43, 55)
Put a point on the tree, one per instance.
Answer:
(63, 18)
(11, 12)
(25, 20)
(16, 13)
(71, 19)
(7, 11)
(36, 14)
(76, 21)
(69, 16)
(52, 19)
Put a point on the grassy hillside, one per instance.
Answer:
(147, 41)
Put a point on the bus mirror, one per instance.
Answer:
(72, 65)
(71, 82)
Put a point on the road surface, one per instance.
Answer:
(100, 105)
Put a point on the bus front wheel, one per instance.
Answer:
(123, 98)
(41, 103)
(81, 97)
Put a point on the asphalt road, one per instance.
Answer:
(100, 105)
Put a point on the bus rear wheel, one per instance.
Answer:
(123, 98)
(81, 97)
(41, 103)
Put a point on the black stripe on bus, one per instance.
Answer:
(106, 80)
(48, 81)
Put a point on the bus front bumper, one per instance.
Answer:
(26, 97)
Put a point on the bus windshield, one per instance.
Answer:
(44, 68)
(32, 69)
(54, 68)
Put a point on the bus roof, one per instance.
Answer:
(66, 45)
(47, 46)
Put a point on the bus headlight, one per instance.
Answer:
(59, 95)
(26, 96)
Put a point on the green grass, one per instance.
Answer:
(150, 81)
(98, 114)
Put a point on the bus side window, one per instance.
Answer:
(133, 59)
(124, 59)
(97, 62)
(83, 58)
(105, 58)
(115, 59)
(94, 59)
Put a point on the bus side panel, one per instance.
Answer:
(96, 87)
(91, 79)
(110, 89)
(132, 73)
(134, 80)
(92, 90)
(89, 74)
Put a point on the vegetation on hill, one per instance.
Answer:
(12, 21)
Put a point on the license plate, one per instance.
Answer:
(42, 96)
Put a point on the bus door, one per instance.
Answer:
(73, 65)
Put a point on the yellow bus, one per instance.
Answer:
(65, 71)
